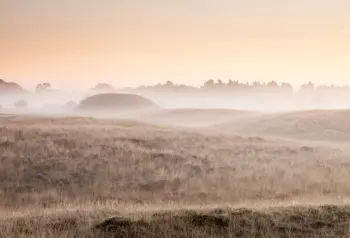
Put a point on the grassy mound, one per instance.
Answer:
(114, 102)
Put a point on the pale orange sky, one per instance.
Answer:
(131, 42)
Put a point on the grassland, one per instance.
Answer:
(84, 177)
(313, 125)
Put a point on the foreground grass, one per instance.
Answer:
(322, 221)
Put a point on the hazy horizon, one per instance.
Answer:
(155, 87)
(129, 43)
(244, 159)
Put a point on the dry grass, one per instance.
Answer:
(315, 125)
(321, 221)
(72, 162)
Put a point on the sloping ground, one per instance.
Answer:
(331, 125)
(198, 117)
(10, 88)
(114, 102)
(49, 161)
(321, 221)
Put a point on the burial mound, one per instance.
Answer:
(116, 102)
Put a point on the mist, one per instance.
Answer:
(64, 101)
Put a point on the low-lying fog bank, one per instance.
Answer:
(53, 102)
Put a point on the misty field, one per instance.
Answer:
(86, 177)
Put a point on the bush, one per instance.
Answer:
(21, 104)
(71, 105)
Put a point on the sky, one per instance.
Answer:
(77, 43)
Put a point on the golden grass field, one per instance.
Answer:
(251, 175)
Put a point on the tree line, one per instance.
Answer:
(214, 85)
(256, 86)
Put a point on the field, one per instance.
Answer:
(244, 175)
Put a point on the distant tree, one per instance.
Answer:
(307, 87)
(158, 86)
(286, 87)
(168, 84)
(232, 84)
(42, 87)
(345, 88)
(272, 85)
(21, 104)
(103, 87)
(209, 84)
(257, 84)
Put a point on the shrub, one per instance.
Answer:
(21, 104)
